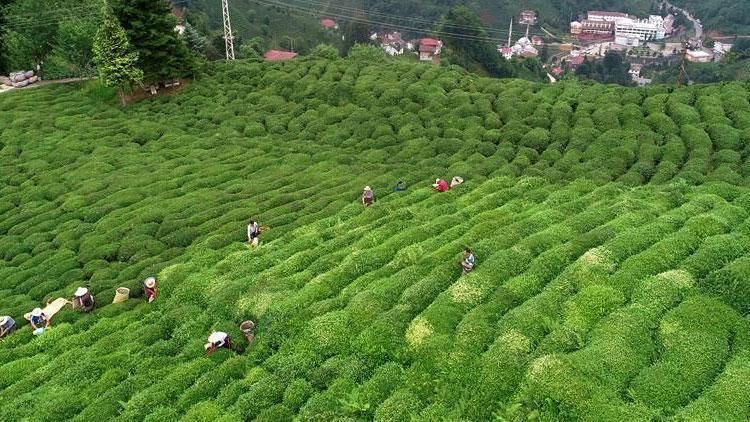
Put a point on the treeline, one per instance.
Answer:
(58, 37)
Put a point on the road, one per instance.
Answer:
(696, 24)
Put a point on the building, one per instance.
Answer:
(557, 71)
(329, 23)
(536, 40)
(628, 40)
(596, 15)
(278, 55)
(635, 69)
(575, 61)
(527, 17)
(721, 48)
(645, 29)
(669, 24)
(506, 52)
(698, 56)
(595, 27)
(429, 49)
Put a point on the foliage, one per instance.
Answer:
(116, 60)
(162, 55)
(609, 224)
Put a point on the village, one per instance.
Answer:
(642, 41)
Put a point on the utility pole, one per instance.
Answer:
(228, 37)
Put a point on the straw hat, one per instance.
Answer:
(150, 282)
(216, 337)
(3, 320)
(81, 291)
(367, 188)
(437, 180)
(36, 312)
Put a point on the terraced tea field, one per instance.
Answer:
(610, 227)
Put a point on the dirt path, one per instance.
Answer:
(4, 88)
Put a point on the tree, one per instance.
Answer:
(150, 28)
(324, 51)
(253, 48)
(466, 49)
(115, 58)
(27, 43)
(195, 41)
(356, 32)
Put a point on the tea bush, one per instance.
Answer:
(610, 227)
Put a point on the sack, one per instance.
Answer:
(121, 295)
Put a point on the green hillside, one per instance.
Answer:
(610, 227)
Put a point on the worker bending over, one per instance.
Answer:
(7, 325)
(368, 197)
(39, 321)
(467, 263)
(83, 301)
(253, 233)
(440, 185)
(149, 289)
(216, 341)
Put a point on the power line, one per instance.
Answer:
(445, 34)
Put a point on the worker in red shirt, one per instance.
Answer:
(441, 185)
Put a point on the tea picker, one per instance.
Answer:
(440, 185)
(216, 341)
(39, 321)
(83, 301)
(456, 181)
(248, 329)
(7, 325)
(149, 289)
(467, 263)
(368, 197)
(400, 186)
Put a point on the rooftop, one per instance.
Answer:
(328, 23)
(277, 55)
(429, 42)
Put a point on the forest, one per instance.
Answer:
(610, 227)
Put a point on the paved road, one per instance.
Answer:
(696, 25)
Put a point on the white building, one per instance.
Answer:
(628, 40)
(698, 56)
(645, 29)
(596, 15)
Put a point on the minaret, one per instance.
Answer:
(510, 31)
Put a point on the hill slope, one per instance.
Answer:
(610, 227)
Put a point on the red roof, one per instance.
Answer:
(328, 23)
(575, 61)
(274, 55)
(557, 70)
(429, 42)
(506, 50)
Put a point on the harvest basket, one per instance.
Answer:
(121, 295)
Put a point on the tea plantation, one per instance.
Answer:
(610, 227)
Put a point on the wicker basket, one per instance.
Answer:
(121, 295)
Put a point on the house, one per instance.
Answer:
(557, 71)
(698, 56)
(537, 40)
(506, 52)
(329, 23)
(278, 55)
(429, 48)
(720, 49)
(527, 17)
(635, 69)
(393, 43)
(575, 61)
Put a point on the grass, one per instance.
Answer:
(610, 227)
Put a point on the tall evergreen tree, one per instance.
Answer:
(115, 58)
(150, 28)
